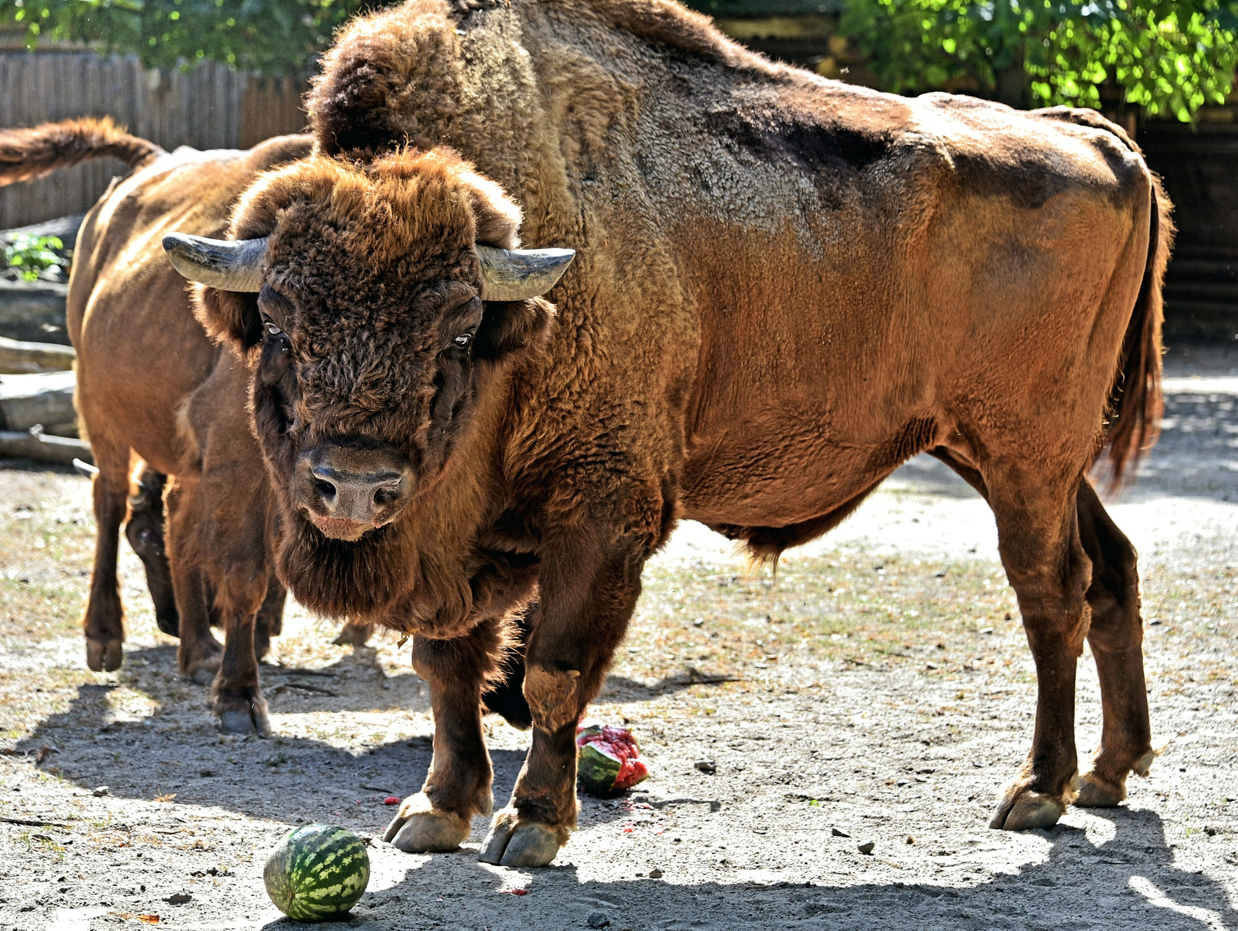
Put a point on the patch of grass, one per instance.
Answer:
(44, 565)
(849, 606)
(36, 610)
(43, 843)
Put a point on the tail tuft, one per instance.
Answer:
(26, 154)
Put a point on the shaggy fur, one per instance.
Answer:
(785, 286)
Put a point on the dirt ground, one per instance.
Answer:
(880, 691)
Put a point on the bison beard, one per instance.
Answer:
(338, 578)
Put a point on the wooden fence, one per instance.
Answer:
(208, 107)
(1197, 164)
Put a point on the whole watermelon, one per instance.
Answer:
(318, 871)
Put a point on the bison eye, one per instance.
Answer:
(464, 340)
(272, 329)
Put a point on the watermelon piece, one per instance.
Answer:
(608, 760)
(317, 872)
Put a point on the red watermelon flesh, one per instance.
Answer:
(618, 744)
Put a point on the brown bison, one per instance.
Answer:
(151, 384)
(151, 381)
(785, 287)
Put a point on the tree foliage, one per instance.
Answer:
(271, 36)
(1168, 56)
(33, 255)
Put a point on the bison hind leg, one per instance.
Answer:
(144, 531)
(1116, 639)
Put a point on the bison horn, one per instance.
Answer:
(230, 265)
(519, 274)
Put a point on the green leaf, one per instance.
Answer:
(1170, 56)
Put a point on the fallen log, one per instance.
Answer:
(19, 357)
(45, 399)
(33, 310)
(41, 447)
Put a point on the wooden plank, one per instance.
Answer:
(34, 312)
(38, 400)
(21, 357)
(43, 448)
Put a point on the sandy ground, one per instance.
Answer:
(880, 691)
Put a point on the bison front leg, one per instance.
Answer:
(586, 600)
(457, 785)
(236, 696)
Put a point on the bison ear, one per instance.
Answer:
(229, 317)
(509, 327)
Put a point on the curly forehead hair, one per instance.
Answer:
(406, 195)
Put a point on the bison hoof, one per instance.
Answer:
(419, 827)
(262, 644)
(243, 712)
(511, 843)
(1144, 765)
(353, 635)
(203, 674)
(103, 654)
(168, 621)
(1022, 810)
(1095, 792)
(201, 662)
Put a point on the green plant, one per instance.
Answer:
(33, 255)
(271, 36)
(1167, 56)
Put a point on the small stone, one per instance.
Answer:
(708, 767)
(656, 873)
(179, 898)
(837, 832)
(597, 920)
(100, 791)
(867, 847)
(910, 839)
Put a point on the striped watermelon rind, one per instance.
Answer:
(608, 760)
(317, 872)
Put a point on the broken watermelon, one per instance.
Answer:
(608, 759)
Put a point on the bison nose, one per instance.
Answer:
(355, 495)
(348, 491)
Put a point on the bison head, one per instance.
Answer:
(374, 303)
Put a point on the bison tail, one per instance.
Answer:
(1135, 400)
(26, 154)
